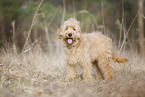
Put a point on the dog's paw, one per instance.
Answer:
(71, 78)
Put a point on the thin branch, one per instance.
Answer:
(128, 31)
(103, 18)
(64, 11)
(30, 30)
(143, 16)
(74, 10)
(30, 47)
(119, 44)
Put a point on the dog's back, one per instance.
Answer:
(98, 45)
(101, 45)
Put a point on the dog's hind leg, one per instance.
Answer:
(103, 64)
(98, 71)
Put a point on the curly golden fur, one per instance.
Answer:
(87, 50)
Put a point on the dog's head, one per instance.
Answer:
(70, 32)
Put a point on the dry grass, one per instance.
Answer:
(38, 74)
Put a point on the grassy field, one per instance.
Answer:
(34, 73)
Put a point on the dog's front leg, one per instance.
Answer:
(87, 72)
(71, 72)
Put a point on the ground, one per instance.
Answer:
(38, 74)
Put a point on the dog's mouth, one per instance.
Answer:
(69, 40)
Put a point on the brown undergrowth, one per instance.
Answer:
(38, 74)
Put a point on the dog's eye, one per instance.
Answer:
(74, 29)
(66, 29)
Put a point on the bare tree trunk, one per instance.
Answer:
(74, 8)
(141, 28)
(3, 33)
(35, 35)
(48, 39)
(14, 36)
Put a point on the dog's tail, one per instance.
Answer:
(117, 59)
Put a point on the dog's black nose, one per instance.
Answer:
(69, 34)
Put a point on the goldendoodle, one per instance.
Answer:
(92, 49)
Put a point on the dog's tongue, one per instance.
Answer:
(69, 41)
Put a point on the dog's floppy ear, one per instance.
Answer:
(79, 30)
(78, 23)
(58, 33)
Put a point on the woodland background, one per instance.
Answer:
(32, 60)
(122, 20)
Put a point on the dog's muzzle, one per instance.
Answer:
(69, 39)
